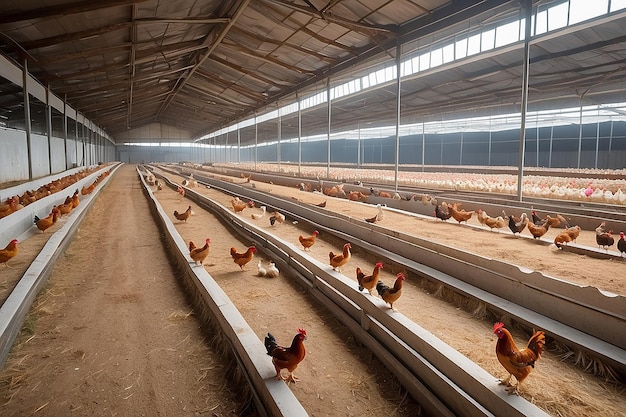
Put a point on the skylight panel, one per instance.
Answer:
(508, 33)
(581, 10)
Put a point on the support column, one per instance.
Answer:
(27, 119)
(527, 9)
(398, 85)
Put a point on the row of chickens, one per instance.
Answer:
(536, 225)
(604, 190)
(18, 202)
(44, 223)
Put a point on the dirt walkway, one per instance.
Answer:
(112, 333)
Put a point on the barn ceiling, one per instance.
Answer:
(200, 65)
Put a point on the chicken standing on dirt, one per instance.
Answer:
(184, 215)
(309, 241)
(242, 259)
(286, 357)
(518, 363)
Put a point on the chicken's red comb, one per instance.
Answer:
(302, 332)
(379, 264)
(498, 326)
(401, 275)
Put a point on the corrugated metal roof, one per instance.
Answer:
(200, 65)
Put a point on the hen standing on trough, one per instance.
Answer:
(604, 239)
(46, 222)
(391, 295)
(199, 254)
(517, 225)
(442, 212)
(460, 215)
(538, 230)
(368, 281)
(286, 357)
(518, 363)
(337, 261)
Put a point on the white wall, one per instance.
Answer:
(13, 153)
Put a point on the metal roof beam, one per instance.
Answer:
(64, 10)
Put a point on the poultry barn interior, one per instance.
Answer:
(356, 207)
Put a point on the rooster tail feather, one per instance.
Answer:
(270, 343)
(381, 288)
(331, 255)
(36, 219)
(536, 343)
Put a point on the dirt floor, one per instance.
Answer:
(113, 337)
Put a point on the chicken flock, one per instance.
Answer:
(15, 203)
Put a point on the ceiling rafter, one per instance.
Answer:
(252, 74)
(215, 42)
(306, 51)
(330, 17)
(64, 10)
(75, 36)
(230, 44)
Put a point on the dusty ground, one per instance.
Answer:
(112, 333)
(115, 349)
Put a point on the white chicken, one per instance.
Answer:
(257, 216)
(261, 269)
(272, 270)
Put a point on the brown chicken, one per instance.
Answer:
(10, 251)
(539, 230)
(199, 254)
(337, 261)
(277, 217)
(482, 216)
(518, 363)
(10, 206)
(75, 200)
(573, 232)
(242, 259)
(561, 239)
(391, 295)
(46, 222)
(184, 215)
(459, 214)
(368, 282)
(286, 357)
(239, 206)
(495, 222)
(65, 208)
(307, 242)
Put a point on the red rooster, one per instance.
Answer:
(286, 357)
(517, 362)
